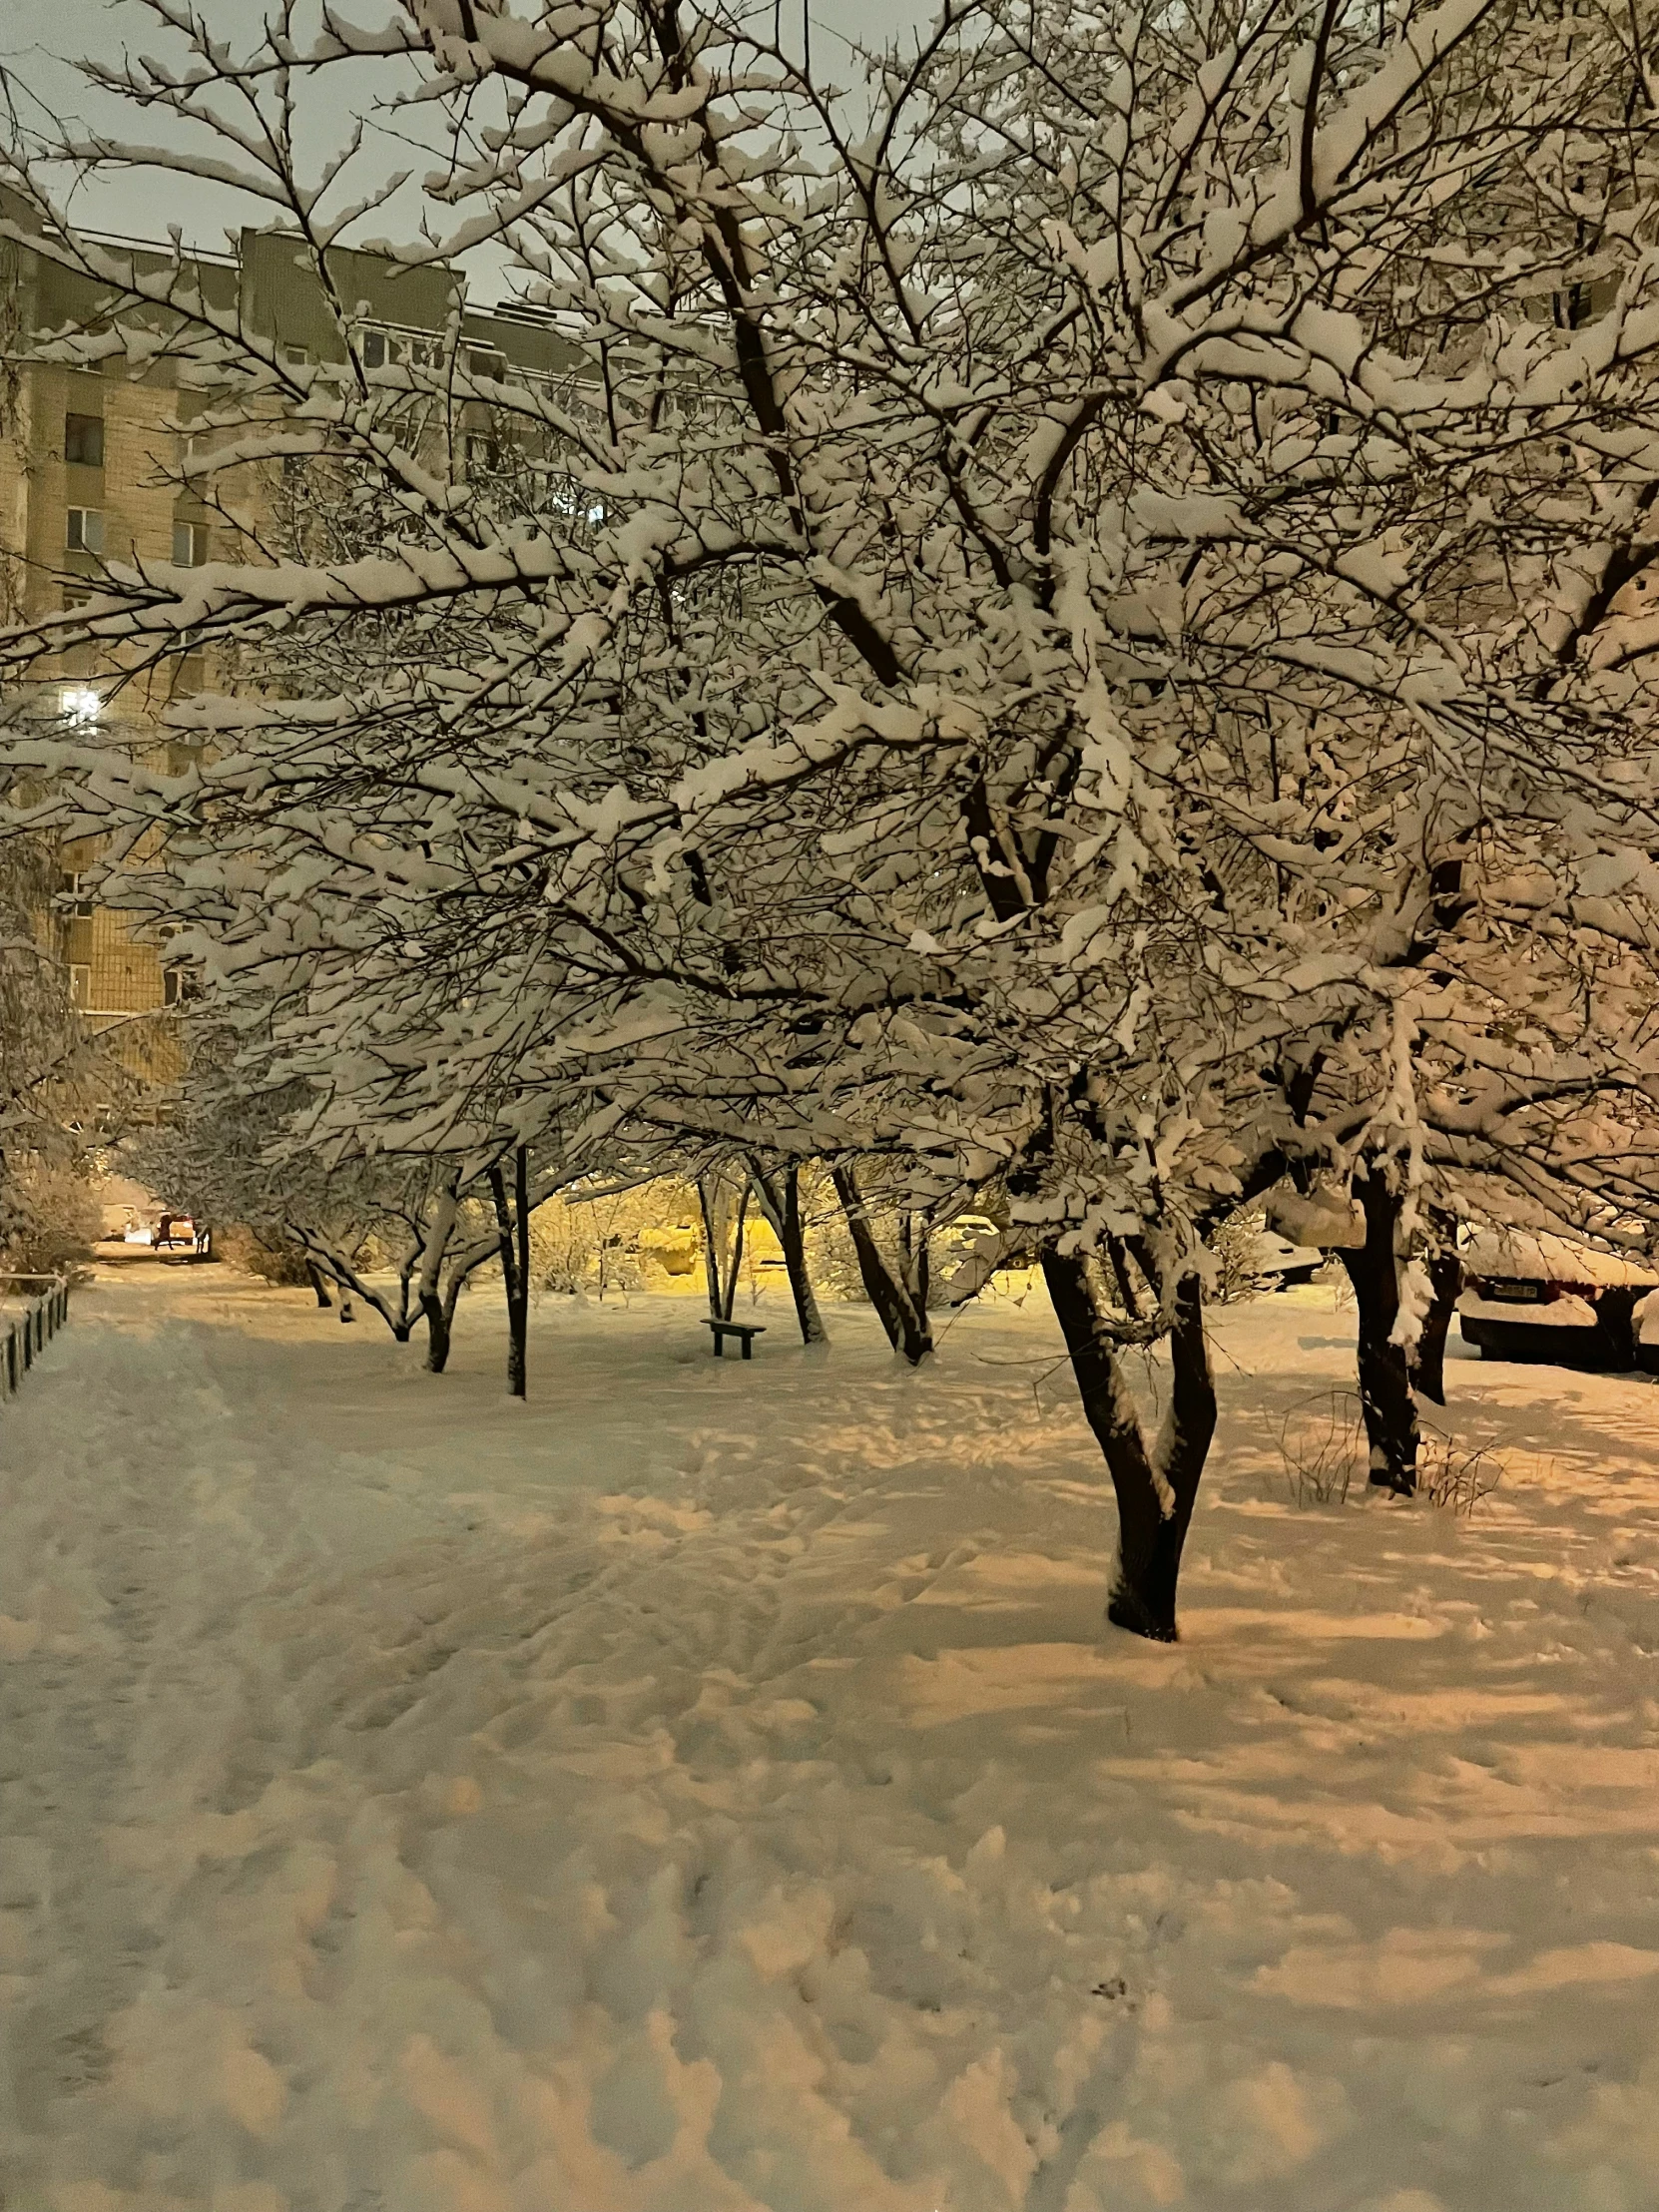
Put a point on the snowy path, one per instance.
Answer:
(710, 1788)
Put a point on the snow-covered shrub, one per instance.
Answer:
(271, 1257)
(594, 1244)
(830, 1251)
(49, 1220)
(1235, 1248)
(1322, 1448)
(1455, 1475)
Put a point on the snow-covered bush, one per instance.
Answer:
(605, 1243)
(1319, 1445)
(50, 1218)
(1455, 1475)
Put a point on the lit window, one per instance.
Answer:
(79, 703)
(189, 544)
(86, 531)
(83, 440)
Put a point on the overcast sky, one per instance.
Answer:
(39, 39)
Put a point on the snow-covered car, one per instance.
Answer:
(1544, 1298)
(1275, 1263)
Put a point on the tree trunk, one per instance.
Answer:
(319, 1285)
(1155, 1490)
(713, 1238)
(439, 1227)
(722, 1277)
(1445, 1279)
(514, 1275)
(1119, 1258)
(779, 1201)
(521, 1206)
(737, 1253)
(916, 1254)
(339, 1271)
(438, 1331)
(1385, 1400)
(907, 1326)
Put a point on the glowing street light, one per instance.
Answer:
(79, 704)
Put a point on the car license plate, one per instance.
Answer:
(1514, 1292)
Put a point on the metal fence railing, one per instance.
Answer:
(31, 1331)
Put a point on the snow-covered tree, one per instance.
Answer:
(1069, 583)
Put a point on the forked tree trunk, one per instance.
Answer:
(1119, 1258)
(721, 1277)
(440, 1230)
(438, 1331)
(710, 1251)
(1446, 1280)
(1155, 1486)
(905, 1322)
(916, 1258)
(1391, 1413)
(780, 1200)
(513, 1228)
(350, 1284)
(730, 1297)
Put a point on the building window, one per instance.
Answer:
(297, 356)
(77, 902)
(189, 544)
(80, 985)
(86, 531)
(384, 349)
(83, 440)
(487, 364)
(173, 986)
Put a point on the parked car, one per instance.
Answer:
(1275, 1263)
(1544, 1298)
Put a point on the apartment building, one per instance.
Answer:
(92, 470)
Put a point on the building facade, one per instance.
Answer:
(94, 468)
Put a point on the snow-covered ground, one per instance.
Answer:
(712, 1786)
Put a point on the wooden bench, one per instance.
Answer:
(744, 1331)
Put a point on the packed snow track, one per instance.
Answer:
(713, 1788)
